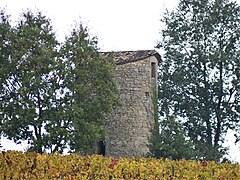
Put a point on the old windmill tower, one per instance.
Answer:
(128, 127)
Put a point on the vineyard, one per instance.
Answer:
(18, 165)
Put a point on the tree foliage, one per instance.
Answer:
(53, 95)
(5, 36)
(171, 141)
(90, 79)
(5, 50)
(199, 79)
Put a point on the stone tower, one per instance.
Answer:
(128, 127)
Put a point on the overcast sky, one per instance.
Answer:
(118, 24)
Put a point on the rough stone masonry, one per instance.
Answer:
(128, 127)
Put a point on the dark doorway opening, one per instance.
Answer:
(100, 149)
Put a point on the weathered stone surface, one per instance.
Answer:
(128, 127)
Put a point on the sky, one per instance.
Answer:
(119, 25)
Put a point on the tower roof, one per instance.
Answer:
(123, 57)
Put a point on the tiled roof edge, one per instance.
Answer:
(123, 57)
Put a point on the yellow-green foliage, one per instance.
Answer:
(18, 165)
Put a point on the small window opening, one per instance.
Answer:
(153, 69)
(146, 94)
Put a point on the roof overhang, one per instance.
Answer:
(123, 57)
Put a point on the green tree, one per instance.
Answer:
(5, 51)
(199, 79)
(171, 141)
(5, 46)
(90, 80)
(53, 96)
(29, 102)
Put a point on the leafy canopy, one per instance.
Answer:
(54, 96)
(199, 79)
(171, 142)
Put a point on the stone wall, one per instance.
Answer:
(128, 127)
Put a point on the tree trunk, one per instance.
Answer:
(218, 108)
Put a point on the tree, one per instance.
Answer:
(199, 79)
(5, 50)
(29, 97)
(90, 79)
(171, 141)
(54, 96)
